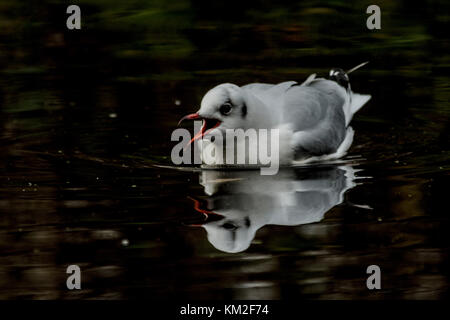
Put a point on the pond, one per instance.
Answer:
(86, 178)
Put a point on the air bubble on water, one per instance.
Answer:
(113, 115)
(125, 242)
(177, 102)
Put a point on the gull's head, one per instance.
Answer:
(223, 107)
(225, 103)
(231, 235)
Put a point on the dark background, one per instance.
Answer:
(86, 114)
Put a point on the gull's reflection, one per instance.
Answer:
(241, 202)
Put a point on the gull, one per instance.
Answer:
(242, 201)
(313, 117)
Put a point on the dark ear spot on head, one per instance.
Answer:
(244, 110)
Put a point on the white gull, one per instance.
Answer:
(313, 117)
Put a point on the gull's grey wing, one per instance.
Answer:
(270, 94)
(315, 113)
(257, 87)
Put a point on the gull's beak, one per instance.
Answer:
(192, 116)
(209, 215)
(208, 125)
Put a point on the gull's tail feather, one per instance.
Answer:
(357, 67)
(358, 101)
(354, 101)
(341, 77)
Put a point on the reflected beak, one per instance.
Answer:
(209, 215)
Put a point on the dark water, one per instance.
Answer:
(86, 118)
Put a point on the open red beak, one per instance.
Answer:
(209, 215)
(191, 116)
(208, 125)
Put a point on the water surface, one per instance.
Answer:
(86, 118)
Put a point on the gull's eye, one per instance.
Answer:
(225, 109)
(229, 226)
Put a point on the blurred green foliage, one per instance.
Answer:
(232, 30)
